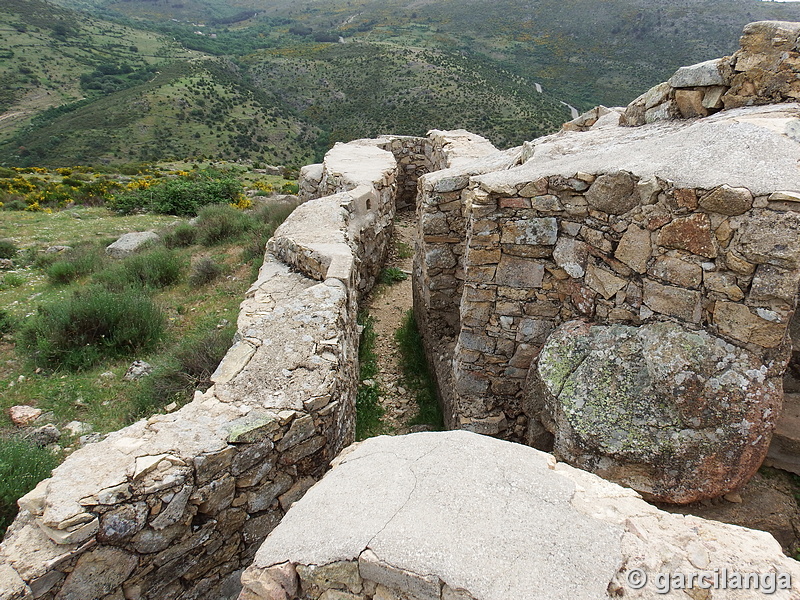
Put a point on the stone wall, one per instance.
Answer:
(173, 507)
(679, 220)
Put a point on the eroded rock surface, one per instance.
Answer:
(678, 415)
(429, 517)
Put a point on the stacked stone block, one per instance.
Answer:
(615, 248)
(763, 71)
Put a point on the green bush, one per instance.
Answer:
(91, 326)
(217, 224)
(6, 322)
(182, 196)
(8, 249)
(203, 272)
(290, 188)
(187, 368)
(156, 269)
(22, 466)
(11, 280)
(180, 237)
(80, 261)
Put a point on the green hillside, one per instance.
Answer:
(583, 51)
(247, 80)
(366, 89)
(51, 56)
(190, 110)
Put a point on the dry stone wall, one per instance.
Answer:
(173, 507)
(692, 221)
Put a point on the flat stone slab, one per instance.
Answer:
(460, 515)
(726, 148)
(359, 164)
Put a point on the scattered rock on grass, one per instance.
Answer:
(23, 415)
(45, 435)
(137, 370)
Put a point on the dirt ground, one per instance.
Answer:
(388, 304)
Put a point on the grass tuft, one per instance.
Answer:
(156, 269)
(22, 466)
(217, 224)
(92, 325)
(416, 375)
(392, 275)
(187, 368)
(204, 272)
(369, 412)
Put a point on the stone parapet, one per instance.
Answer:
(621, 225)
(176, 505)
(763, 71)
(426, 517)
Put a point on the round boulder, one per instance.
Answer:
(676, 414)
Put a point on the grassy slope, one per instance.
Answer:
(366, 89)
(585, 51)
(188, 110)
(45, 50)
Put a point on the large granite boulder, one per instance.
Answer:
(678, 415)
(131, 243)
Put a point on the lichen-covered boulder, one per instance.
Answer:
(678, 415)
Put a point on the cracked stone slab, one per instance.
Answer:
(425, 514)
(437, 505)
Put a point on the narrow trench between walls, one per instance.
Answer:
(396, 393)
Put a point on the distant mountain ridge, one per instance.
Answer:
(144, 80)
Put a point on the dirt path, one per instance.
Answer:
(388, 304)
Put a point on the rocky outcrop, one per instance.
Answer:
(131, 243)
(427, 517)
(176, 505)
(763, 71)
(676, 414)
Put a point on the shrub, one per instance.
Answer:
(6, 322)
(8, 249)
(222, 223)
(12, 280)
(92, 325)
(156, 269)
(180, 237)
(180, 196)
(290, 188)
(80, 261)
(187, 368)
(203, 272)
(22, 466)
